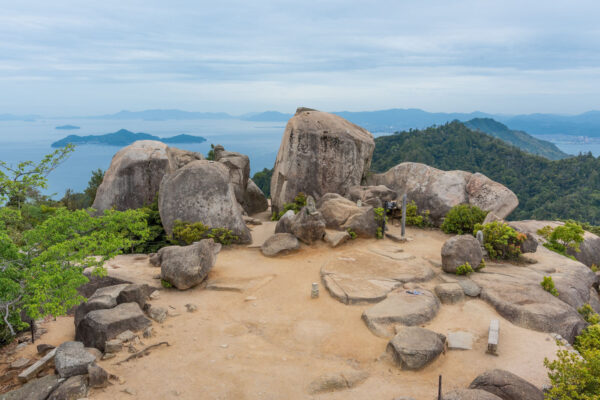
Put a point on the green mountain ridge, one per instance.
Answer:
(547, 189)
(124, 137)
(520, 139)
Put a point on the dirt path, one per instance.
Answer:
(271, 340)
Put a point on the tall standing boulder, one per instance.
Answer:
(254, 200)
(438, 191)
(187, 266)
(135, 173)
(201, 192)
(319, 153)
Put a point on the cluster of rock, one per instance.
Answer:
(191, 189)
(497, 384)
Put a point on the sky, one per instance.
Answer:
(88, 58)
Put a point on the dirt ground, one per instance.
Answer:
(271, 340)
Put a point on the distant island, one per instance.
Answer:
(67, 127)
(123, 138)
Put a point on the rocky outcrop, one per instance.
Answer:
(308, 226)
(438, 191)
(589, 253)
(401, 307)
(187, 266)
(101, 325)
(414, 347)
(374, 196)
(201, 192)
(506, 386)
(37, 389)
(515, 292)
(320, 153)
(102, 298)
(74, 388)
(459, 250)
(470, 394)
(342, 214)
(135, 173)
(361, 277)
(280, 244)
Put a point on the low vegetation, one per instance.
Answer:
(548, 285)
(185, 233)
(295, 206)
(576, 374)
(500, 240)
(464, 269)
(462, 219)
(380, 219)
(417, 218)
(563, 238)
(262, 179)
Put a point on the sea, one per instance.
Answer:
(22, 141)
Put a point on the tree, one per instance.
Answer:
(95, 181)
(20, 182)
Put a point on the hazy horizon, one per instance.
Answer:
(502, 57)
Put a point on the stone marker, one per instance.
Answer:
(493, 337)
(314, 293)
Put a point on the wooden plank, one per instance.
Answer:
(31, 372)
(493, 337)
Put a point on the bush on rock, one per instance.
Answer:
(500, 240)
(461, 219)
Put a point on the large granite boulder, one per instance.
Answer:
(201, 192)
(135, 173)
(401, 307)
(72, 359)
(506, 385)
(589, 253)
(438, 191)
(342, 214)
(414, 347)
(461, 249)
(254, 200)
(280, 244)
(239, 169)
(319, 153)
(98, 326)
(187, 266)
(374, 196)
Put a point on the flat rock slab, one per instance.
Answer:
(404, 307)
(72, 359)
(335, 382)
(238, 284)
(470, 394)
(358, 277)
(37, 389)
(460, 340)
(450, 293)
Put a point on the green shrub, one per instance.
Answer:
(462, 219)
(574, 376)
(296, 206)
(351, 233)
(380, 217)
(588, 313)
(548, 285)
(464, 269)
(185, 233)
(157, 237)
(165, 284)
(414, 218)
(500, 240)
(563, 238)
(481, 265)
(589, 339)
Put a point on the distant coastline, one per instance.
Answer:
(124, 137)
(67, 127)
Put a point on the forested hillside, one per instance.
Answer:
(567, 189)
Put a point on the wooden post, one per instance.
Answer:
(32, 326)
(404, 215)
(440, 388)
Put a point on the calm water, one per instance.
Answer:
(21, 141)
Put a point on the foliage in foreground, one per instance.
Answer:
(563, 238)
(576, 375)
(462, 218)
(41, 274)
(464, 269)
(296, 206)
(500, 240)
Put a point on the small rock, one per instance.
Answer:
(42, 349)
(449, 293)
(95, 352)
(35, 389)
(131, 348)
(72, 359)
(19, 363)
(129, 391)
(250, 298)
(98, 377)
(173, 313)
(224, 346)
(126, 336)
(73, 388)
(159, 314)
(414, 347)
(156, 276)
(7, 376)
(148, 332)
(335, 239)
(340, 381)
(21, 346)
(460, 340)
(191, 307)
(113, 346)
(156, 294)
(108, 356)
(470, 288)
